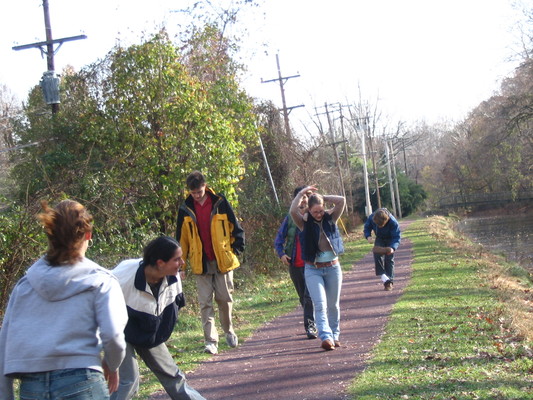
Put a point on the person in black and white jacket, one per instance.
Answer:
(153, 293)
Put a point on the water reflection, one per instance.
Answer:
(511, 235)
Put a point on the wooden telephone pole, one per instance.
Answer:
(49, 82)
(286, 110)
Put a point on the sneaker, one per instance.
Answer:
(388, 285)
(211, 348)
(328, 345)
(232, 340)
(311, 331)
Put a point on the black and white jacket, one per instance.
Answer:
(151, 319)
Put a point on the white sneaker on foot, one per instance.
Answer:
(211, 348)
(232, 340)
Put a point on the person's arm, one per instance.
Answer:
(294, 211)
(395, 233)
(281, 236)
(112, 316)
(111, 377)
(237, 233)
(367, 229)
(6, 384)
(182, 236)
(338, 206)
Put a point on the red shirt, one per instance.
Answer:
(203, 220)
(298, 262)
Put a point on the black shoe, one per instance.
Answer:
(388, 285)
(311, 331)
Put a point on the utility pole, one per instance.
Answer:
(49, 82)
(347, 162)
(391, 185)
(286, 110)
(396, 180)
(373, 155)
(334, 145)
(368, 208)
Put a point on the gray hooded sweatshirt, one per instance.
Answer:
(62, 317)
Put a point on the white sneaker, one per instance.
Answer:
(211, 348)
(232, 340)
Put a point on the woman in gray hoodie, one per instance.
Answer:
(61, 315)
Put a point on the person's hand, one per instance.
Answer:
(370, 239)
(308, 190)
(390, 251)
(285, 259)
(112, 378)
(182, 274)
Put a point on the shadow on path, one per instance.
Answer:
(279, 362)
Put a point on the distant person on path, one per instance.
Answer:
(61, 315)
(321, 246)
(152, 288)
(388, 237)
(289, 250)
(211, 238)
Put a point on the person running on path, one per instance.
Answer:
(388, 236)
(153, 293)
(211, 238)
(289, 250)
(62, 315)
(321, 246)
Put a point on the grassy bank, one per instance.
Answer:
(460, 329)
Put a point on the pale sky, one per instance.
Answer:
(427, 60)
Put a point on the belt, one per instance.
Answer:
(325, 264)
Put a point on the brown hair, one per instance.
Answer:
(66, 226)
(195, 180)
(381, 217)
(314, 199)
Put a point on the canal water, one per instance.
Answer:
(511, 235)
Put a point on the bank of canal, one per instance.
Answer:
(511, 235)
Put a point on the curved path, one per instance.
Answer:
(279, 362)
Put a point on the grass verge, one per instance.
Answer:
(451, 335)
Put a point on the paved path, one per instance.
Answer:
(279, 362)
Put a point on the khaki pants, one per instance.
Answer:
(220, 287)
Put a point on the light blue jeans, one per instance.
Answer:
(324, 286)
(72, 384)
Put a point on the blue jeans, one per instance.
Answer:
(324, 285)
(71, 384)
(384, 264)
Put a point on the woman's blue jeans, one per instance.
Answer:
(71, 384)
(324, 285)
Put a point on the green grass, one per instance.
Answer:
(448, 336)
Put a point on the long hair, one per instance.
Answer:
(161, 248)
(66, 226)
(311, 241)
